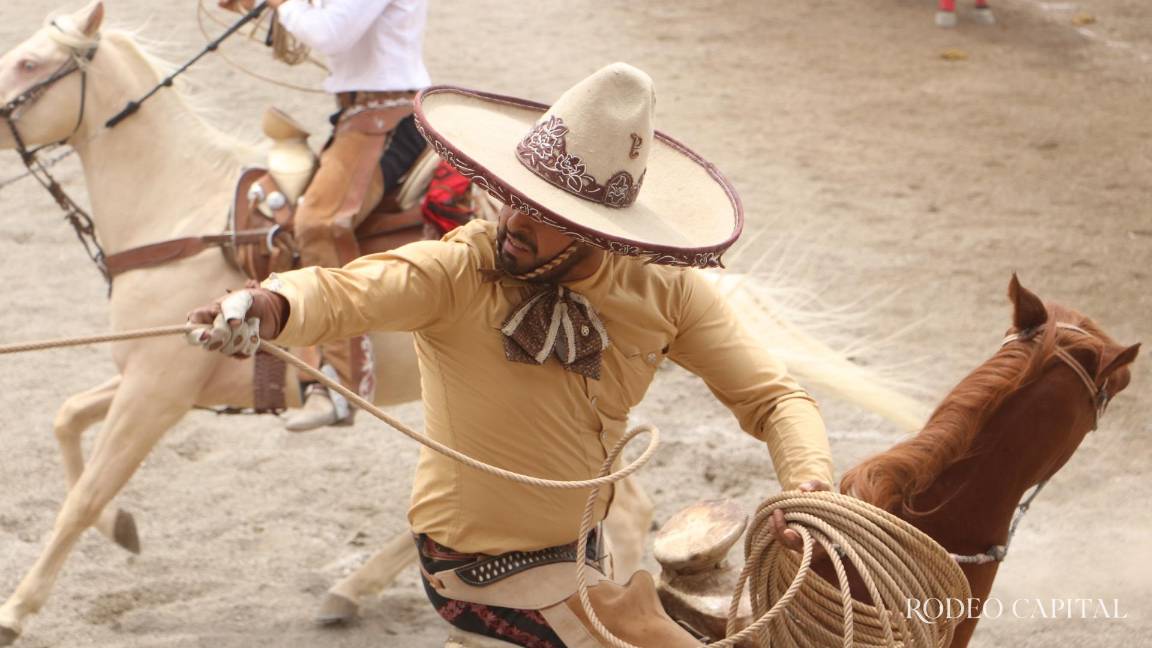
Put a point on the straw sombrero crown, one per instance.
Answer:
(591, 166)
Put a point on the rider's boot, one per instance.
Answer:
(321, 408)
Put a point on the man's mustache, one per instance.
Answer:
(519, 238)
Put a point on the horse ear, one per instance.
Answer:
(91, 17)
(1028, 311)
(1124, 357)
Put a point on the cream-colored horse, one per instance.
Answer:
(165, 173)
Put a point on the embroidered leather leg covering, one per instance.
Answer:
(346, 187)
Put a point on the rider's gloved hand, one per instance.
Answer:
(235, 323)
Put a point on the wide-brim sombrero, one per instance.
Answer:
(672, 206)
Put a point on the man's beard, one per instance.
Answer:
(508, 263)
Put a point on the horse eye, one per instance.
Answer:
(27, 66)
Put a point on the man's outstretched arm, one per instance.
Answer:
(754, 384)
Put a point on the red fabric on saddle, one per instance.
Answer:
(446, 205)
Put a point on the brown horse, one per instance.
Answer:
(1007, 427)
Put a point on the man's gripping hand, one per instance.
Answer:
(788, 537)
(235, 323)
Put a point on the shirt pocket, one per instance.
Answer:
(630, 371)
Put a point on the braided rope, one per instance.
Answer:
(551, 265)
(897, 562)
(42, 345)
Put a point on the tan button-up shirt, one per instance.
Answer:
(543, 420)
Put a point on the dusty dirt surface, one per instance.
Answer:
(883, 169)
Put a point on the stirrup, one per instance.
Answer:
(321, 409)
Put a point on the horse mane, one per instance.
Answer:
(892, 479)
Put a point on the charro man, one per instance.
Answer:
(537, 335)
(374, 52)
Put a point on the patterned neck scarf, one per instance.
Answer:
(553, 321)
(556, 321)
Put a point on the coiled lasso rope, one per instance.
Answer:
(791, 606)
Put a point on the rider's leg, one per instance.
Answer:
(346, 186)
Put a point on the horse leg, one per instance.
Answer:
(980, 578)
(76, 415)
(342, 602)
(984, 13)
(946, 14)
(137, 418)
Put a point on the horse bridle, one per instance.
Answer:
(77, 217)
(1099, 396)
(1097, 393)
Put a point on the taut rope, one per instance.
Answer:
(136, 334)
(898, 564)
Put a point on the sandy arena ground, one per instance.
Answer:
(882, 167)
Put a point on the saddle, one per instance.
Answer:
(265, 199)
(258, 239)
(697, 576)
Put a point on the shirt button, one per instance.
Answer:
(652, 358)
(594, 401)
(584, 330)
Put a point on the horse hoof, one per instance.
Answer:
(945, 19)
(8, 636)
(124, 532)
(985, 16)
(336, 610)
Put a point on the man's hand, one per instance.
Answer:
(239, 6)
(235, 323)
(787, 537)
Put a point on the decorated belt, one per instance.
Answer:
(484, 570)
(349, 99)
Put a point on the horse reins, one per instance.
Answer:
(77, 216)
(1099, 396)
(132, 106)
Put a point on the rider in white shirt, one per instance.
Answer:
(373, 49)
(381, 53)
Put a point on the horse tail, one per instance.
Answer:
(814, 363)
